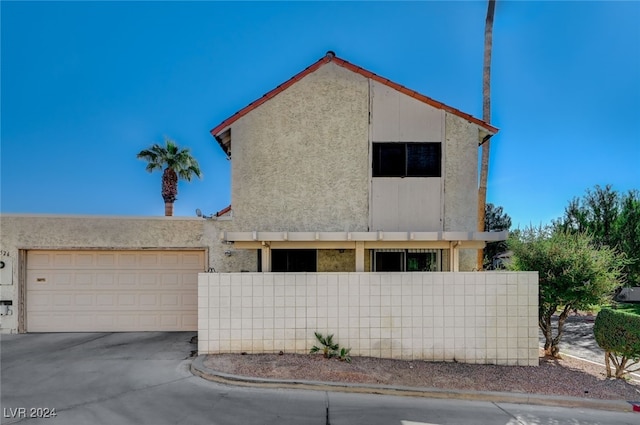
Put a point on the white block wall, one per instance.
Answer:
(471, 317)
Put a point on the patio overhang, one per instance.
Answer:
(361, 241)
(329, 240)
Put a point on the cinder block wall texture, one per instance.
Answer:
(471, 317)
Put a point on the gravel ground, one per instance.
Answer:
(566, 377)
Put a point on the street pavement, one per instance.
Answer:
(144, 378)
(577, 339)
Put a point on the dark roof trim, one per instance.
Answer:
(223, 211)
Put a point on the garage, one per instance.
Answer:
(112, 290)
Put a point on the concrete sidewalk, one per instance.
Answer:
(198, 368)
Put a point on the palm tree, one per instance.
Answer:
(177, 163)
(486, 117)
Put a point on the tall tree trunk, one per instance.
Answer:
(168, 209)
(544, 321)
(486, 116)
(169, 190)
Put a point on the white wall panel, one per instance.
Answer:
(396, 117)
(438, 316)
(409, 204)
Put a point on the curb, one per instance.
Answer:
(199, 369)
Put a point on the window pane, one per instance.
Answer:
(389, 159)
(293, 260)
(279, 260)
(421, 261)
(302, 260)
(423, 159)
(389, 261)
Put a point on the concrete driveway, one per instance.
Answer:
(129, 378)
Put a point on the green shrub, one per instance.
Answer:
(330, 349)
(629, 308)
(344, 355)
(618, 333)
(327, 346)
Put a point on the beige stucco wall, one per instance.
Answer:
(487, 317)
(26, 232)
(300, 160)
(461, 181)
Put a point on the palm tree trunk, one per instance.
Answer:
(168, 209)
(486, 116)
(169, 190)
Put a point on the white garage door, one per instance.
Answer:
(112, 291)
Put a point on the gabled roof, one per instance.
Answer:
(331, 57)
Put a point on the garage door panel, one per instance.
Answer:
(127, 300)
(193, 260)
(62, 260)
(149, 300)
(39, 260)
(75, 291)
(62, 300)
(169, 300)
(128, 260)
(190, 300)
(84, 279)
(147, 260)
(104, 260)
(190, 321)
(126, 279)
(169, 260)
(39, 301)
(104, 279)
(85, 260)
(84, 300)
(169, 279)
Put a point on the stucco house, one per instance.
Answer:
(339, 169)
(356, 198)
(353, 212)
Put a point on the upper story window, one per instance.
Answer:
(411, 159)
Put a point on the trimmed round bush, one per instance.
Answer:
(618, 333)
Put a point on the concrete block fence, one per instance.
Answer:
(471, 317)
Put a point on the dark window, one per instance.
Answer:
(259, 260)
(406, 260)
(389, 261)
(293, 260)
(407, 159)
(421, 261)
(389, 160)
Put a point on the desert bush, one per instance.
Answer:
(327, 346)
(330, 349)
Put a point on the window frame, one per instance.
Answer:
(405, 255)
(380, 168)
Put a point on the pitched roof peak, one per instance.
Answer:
(330, 56)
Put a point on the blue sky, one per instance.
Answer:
(86, 85)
